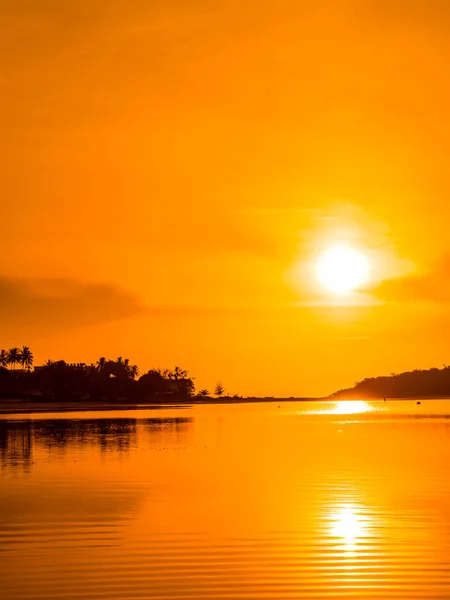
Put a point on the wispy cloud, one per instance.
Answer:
(62, 303)
(430, 286)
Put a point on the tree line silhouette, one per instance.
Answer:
(106, 380)
(417, 383)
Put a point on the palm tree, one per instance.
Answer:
(101, 363)
(49, 362)
(203, 393)
(26, 358)
(133, 370)
(3, 358)
(178, 373)
(13, 357)
(219, 390)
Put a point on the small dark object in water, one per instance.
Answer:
(419, 402)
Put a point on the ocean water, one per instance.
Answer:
(248, 501)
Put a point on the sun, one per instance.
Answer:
(342, 269)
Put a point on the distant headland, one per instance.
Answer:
(420, 383)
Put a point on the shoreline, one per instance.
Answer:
(24, 407)
(13, 407)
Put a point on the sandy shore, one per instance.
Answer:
(15, 407)
(18, 407)
(10, 407)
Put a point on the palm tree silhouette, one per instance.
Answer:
(178, 373)
(26, 358)
(3, 358)
(13, 357)
(133, 370)
(219, 390)
(101, 363)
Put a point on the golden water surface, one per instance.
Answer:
(297, 500)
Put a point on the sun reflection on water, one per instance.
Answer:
(351, 407)
(344, 407)
(349, 526)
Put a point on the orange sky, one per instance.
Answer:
(170, 168)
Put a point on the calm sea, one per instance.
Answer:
(302, 500)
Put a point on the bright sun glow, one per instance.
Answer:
(342, 269)
(348, 525)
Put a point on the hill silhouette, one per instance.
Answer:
(410, 384)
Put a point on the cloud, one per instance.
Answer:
(432, 286)
(59, 304)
